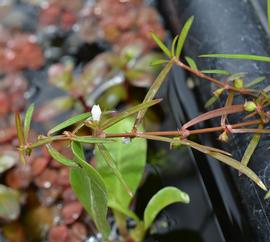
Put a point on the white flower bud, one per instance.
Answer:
(96, 113)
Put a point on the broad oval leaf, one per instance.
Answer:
(59, 157)
(69, 122)
(160, 200)
(183, 36)
(130, 160)
(9, 203)
(90, 189)
(27, 120)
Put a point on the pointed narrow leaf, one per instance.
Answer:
(20, 136)
(235, 76)
(256, 81)
(145, 105)
(250, 149)
(173, 45)
(59, 157)
(238, 56)
(90, 189)
(161, 45)
(158, 62)
(19, 129)
(215, 71)
(268, 13)
(111, 163)
(213, 114)
(69, 122)
(130, 159)
(211, 101)
(183, 36)
(27, 120)
(152, 92)
(160, 200)
(191, 63)
(267, 195)
(91, 140)
(240, 167)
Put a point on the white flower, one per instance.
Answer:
(96, 113)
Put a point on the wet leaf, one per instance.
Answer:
(218, 72)
(130, 160)
(59, 157)
(191, 63)
(69, 122)
(238, 56)
(9, 203)
(27, 120)
(152, 92)
(90, 189)
(130, 111)
(183, 36)
(161, 45)
(160, 200)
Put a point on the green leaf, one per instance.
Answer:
(129, 213)
(109, 122)
(8, 158)
(152, 92)
(130, 160)
(92, 140)
(90, 189)
(215, 71)
(158, 62)
(173, 45)
(240, 167)
(59, 157)
(27, 120)
(239, 56)
(235, 76)
(191, 63)
(69, 122)
(268, 13)
(211, 101)
(9, 203)
(183, 36)
(20, 136)
(251, 148)
(161, 45)
(160, 200)
(112, 164)
(267, 195)
(255, 81)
